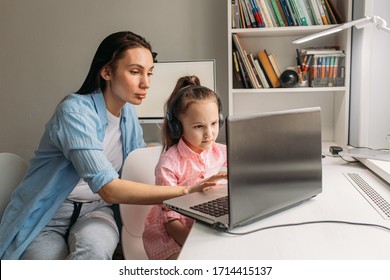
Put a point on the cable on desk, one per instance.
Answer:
(349, 161)
(223, 229)
(338, 156)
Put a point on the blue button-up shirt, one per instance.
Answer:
(71, 148)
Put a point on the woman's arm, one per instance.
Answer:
(120, 191)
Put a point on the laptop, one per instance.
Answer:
(274, 163)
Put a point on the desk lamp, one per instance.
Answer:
(379, 22)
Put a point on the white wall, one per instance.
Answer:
(370, 92)
(46, 47)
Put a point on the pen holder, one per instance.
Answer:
(303, 80)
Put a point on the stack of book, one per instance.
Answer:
(321, 66)
(280, 13)
(326, 66)
(259, 70)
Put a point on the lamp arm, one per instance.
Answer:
(379, 22)
(359, 23)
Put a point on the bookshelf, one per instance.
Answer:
(334, 101)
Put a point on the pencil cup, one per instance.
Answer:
(303, 79)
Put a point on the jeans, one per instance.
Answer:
(94, 236)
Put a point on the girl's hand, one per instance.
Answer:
(207, 183)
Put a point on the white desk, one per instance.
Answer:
(339, 200)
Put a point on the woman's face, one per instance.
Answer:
(130, 80)
(200, 125)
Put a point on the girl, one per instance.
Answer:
(190, 154)
(62, 209)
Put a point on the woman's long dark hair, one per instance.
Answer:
(110, 50)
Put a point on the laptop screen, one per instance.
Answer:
(274, 161)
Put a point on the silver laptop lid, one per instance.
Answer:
(274, 162)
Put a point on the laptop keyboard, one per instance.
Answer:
(217, 207)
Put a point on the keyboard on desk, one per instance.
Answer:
(216, 207)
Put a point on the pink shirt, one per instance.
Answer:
(182, 166)
(178, 166)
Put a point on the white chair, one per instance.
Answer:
(139, 167)
(12, 170)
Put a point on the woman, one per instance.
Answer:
(62, 208)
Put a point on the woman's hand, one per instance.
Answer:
(207, 183)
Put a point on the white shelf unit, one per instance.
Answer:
(334, 101)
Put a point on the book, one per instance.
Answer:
(335, 11)
(236, 68)
(268, 69)
(265, 13)
(298, 4)
(275, 64)
(332, 17)
(251, 72)
(294, 12)
(256, 13)
(242, 16)
(331, 47)
(315, 11)
(247, 23)
(235, 14)
(244, 75)
(271, 12)
(277, 13)
(307, 12)
(252, 18)
(260, 71)
(233, 20)
(321, 51)
(288, 15)
(282, 12)
(244, 59)
(256, 74)
(326, 11)
(322, 12)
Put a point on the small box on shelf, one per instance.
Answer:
(325, 66)
(327, 70)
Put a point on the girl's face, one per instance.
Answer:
(200, 125)
(129, 81)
